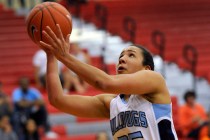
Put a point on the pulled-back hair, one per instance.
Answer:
(148, 59)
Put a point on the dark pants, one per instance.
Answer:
(41, 118)
(195, 132)
(21, 116)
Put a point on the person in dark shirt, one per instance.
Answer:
(5, 104)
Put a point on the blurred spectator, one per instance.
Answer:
(71, 80)
(31, 130)
(102, 136)
(29, 104)
(5, 104)
(39, 62)
(6, 131)
(48, 0)
(22, 3)
(205, 131)
(74, 2)
(192, 116)
(9, 2)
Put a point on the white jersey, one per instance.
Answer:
(139, 119)
(40, 60)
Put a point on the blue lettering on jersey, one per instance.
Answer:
(128, 119)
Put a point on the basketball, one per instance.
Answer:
(48, 14)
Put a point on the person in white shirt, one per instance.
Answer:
(39, 63)
(71, 79)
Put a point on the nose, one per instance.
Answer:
(122, 60)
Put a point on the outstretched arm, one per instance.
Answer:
(83, 106)
(141, 82)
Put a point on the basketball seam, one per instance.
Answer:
(50, 14)
(29, 23)
(61, 13)
(41, 25)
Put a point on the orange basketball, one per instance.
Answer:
(48, 14)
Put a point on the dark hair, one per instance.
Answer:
(148, 59)
(22, 78)
(189, 94)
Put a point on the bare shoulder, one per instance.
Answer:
(161, 93)
(154, 78)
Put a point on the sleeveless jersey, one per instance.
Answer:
(139, 119)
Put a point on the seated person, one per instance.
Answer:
(28, 103)
(31, 130)
(71, 80)
(5, 104)
(6, 131)
(39, 63)
(192, 116)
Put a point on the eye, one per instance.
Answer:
(131, 55)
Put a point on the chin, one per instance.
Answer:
(121, 72)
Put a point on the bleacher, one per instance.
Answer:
(16, 49)
(182, 22)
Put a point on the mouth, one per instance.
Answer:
(120, 69)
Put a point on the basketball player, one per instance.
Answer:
(139, 105)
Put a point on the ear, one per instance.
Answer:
(147, 67)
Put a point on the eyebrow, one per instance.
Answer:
(128, 51)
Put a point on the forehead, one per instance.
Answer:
(132, 49)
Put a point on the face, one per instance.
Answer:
(31, 126)
(24, 83)
(191, 100)
(4, 121)
(130, 60)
